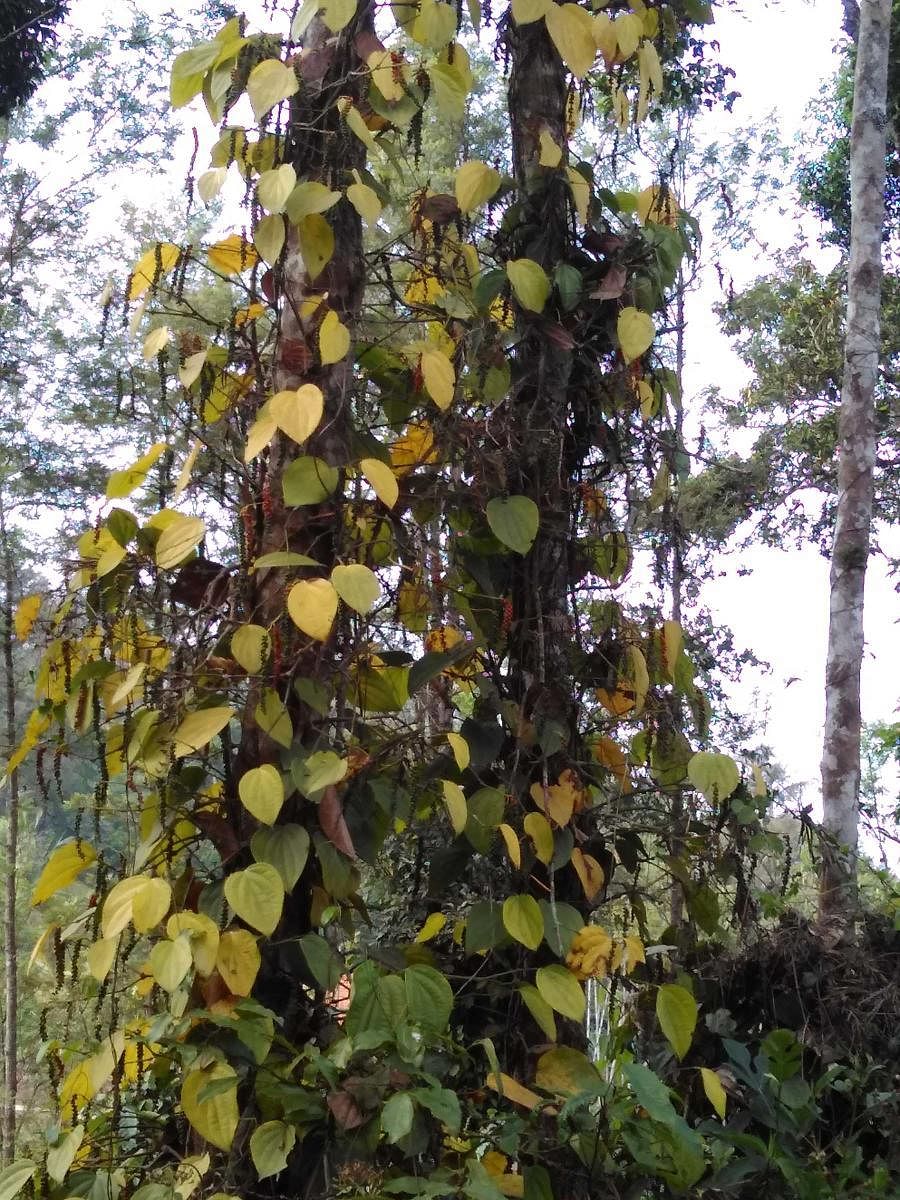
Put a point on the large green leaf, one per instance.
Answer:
(523, 920)
(514, 521)
(270, 1145)
(429, 998)
(676, 1010)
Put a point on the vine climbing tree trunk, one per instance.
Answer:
(10, 938)
(850, 548)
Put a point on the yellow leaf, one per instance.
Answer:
(262, 793)
(122, 483)
(435, 24)
(357, 586)
(250, 646)
(550, 153)
(581, 193)
(650, 66)
(26, 614)
(259, 435)
(538, 829)
(589, 872)
(211, 183)
(298, 413)
(203, 936)
(338, 13)
(100, 957)
(41, 945)
(457, 809)
(238, 961)
(636, 332)
(355, 122)
(715, 1093)
(199, 728)
(179, 539)
(432, 927)
(530, 284)
(671, 641)
(153, 263)
(308, 198)
(759, 782)
(316, 238)
(605, 37)
(63, 867)
(460, 748)
(513, 1090)
(232, 255)
(365, 200)
(388, 80)
(658, 205)
(412, 449)
(169, 963)
(270, 82)
(439, 376)
(525, 11)
(268, 238)
(155, 342)
(629, 30)
(184, 475)
(274, 187)
(117, 907)
(381, 479)
(475, 184)
(571, 30)
(334, 339)
(215, 1118)
(312, 605)
(150, 904)
(513, 849)
(257, 896)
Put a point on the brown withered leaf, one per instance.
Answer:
(439, 209)
(331, 819)
(345, 1110)
(612, 285)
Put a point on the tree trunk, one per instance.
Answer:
(850, 549)
(10, 940)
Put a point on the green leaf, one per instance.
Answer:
(514, 522)
(676, 1010)
(215, 1118)
(441, 1103)
(561, 923)
(485, 814)
(326, 965)
(284, 847)
(562, 991)
(273, 718)
(308, 480)
(257, 896)
(14, 1177)
(539, 1009)
(429, 998)
(484, 926)
(318, 771)
(715, 775)
(523, 920)
(397, 1117)
(270, 1145)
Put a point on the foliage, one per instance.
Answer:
(27, 34)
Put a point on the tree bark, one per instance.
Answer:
(850, 548)
(10, 939)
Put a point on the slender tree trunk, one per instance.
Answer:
(850, 550)
(10, 940)
(676, 572)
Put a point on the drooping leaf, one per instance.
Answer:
(215, 1118)
(475, 184)
(262, 792)
(514, 521)
(238, 960)
(571, 30)
(715, 775)
(199, 728)
(286, 848)
(312, 606)
(257, 896)
(676, 1010)
(357, 586)
(523, 920)
(63, 867)
(179, 539)
(715, 1093)
(270, 82)
(562, 991)
(636, 332)
(250, 645)
(530, 283)
(270, 1145)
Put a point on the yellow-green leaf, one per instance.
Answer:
(215, 1118)
(154, 262)
(274, 187)
(268, 238)
(334, 339)
(715, 1093)
(270, 82)
(523, 920)
(150, 904)
(457, 809)
(357, 586)
(250, 646)
(571, 30)
(232, 255)
(316, 239)
(199, 728)
(309, 197)
(61, 1156)
(100, 957)
(257, 896)
(562, 991)
(211, 183)
(636, 332)
(271, 1143)
(238, 961)
(539, 1009)
(123, 483)
(538, 829)
(511, 841)
(715, 775)
(434, 923)
(262, 792)
(676, 1010)
(155, 342)
(337, 14)
(170, 962)
(439, 376)
(179, 539)
(526, 11)
(203, 936)
(475, 184)
(63, 867)
(530, 283)
(14, 1177)
(382, 480)
(273, 718)
(298, 413)
(365, 200)
(311, 605)
(118, 905)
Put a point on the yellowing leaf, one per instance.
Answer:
(316, 238)
(523, 920)
(334, 339)
(676, 1010)
(530, 283)
(199, 728)
(150, 904)
(308, 198)
(250, 647)
(381, 479)
(43, 942)
(152, 264)
(259, 435)
(460, 748)
(63, 867)
(211, 183)
(365, 200)
(232, 255)
(571, 30)
(539, 1009)
(525, 11)
(184, 475)
(273, 718)
(100, 957)
(581, 193)
(513, 849)
(155, 342)
(538, 829)
(179, 539)
(562, 991)
(388, 79)
(268, 238)
(413, 448)
(122, 483)
(432, 927)
(356, 124)
(169, 962)
(338, 13)
(298, 413)
(439, 376)
(117, 908)
(215, 1118)
(357, 586)
(629, 31)
(435, 24)
(238, 961)
(312, 605)
(715, 775)
(26, 614)
(589, 872)
(513, 1090)
(202, 935)
(550, 153)
(270, 82)
(275, 186)
(262, 792)
(475, 184)
(658, 205)
(715, 1093)
(257, 896)
(457, 809)
(636, 332)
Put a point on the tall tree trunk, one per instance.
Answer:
(850, 550)
(10, 940)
